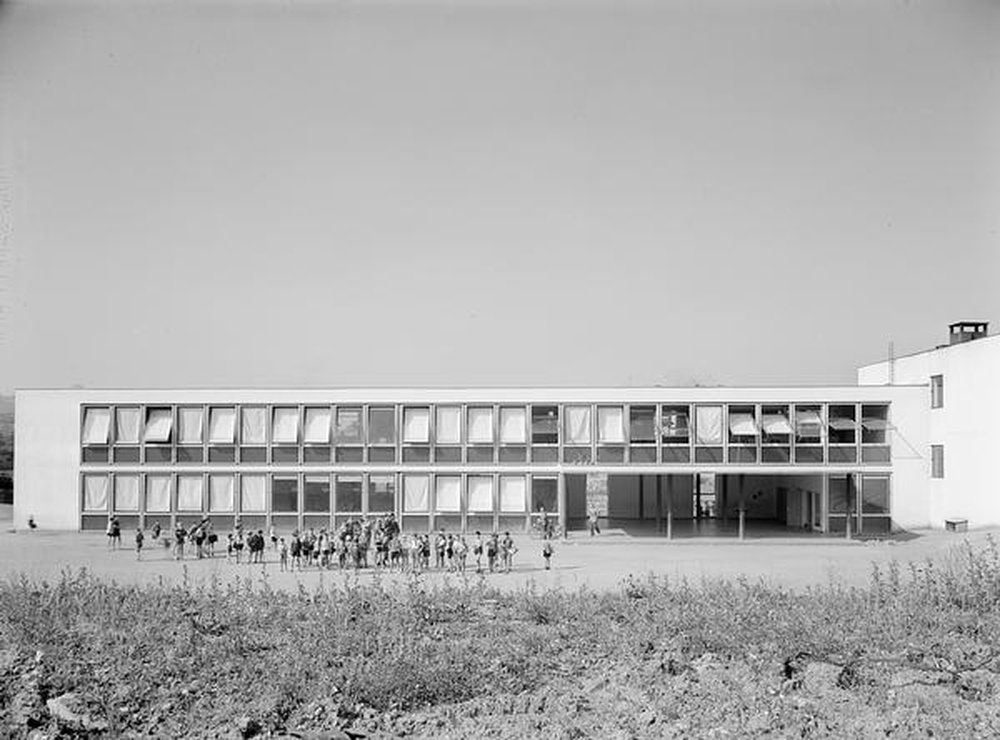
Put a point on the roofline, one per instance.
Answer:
(938, 348)
(476, 388)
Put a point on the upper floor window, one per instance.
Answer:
(937, 391)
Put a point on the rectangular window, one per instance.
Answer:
(513, 425)
(221, 425)
(253, 498)
(875, 495)
(544, 494)
(479, 455)
(708, 425)
(159, 423)
(285, 425)
(448, 454)
(284, 495)
(317, 494)
(577, 425)
(415, 488)
(316, 454)
(221, 493)
(610, 425)
(513, 494)
(127, 454)
(937, 391)
(416, 425)
(381, 454)
(127, 425)
(189, 423)
(96, 425)
(349, 431)
(381, 493)
(447, 494)
(381, 426)
(776, 426)
(480, 425)
(513, 454)
(126, 493)
(480, 490)
(642, 424)
(675, 425)
(157, 494)
(842, 424)
(95, 493)
(253, 430)
(285, 455)
(226, 455)
(545, 425)
(350, 454)
(582, 455)
(743, 425)
(448, 425)
(874, 423)
(416, 454)
(937, 461)
(808, 424)
(189, 492)
(253, 454)
(349, 493)
(317, 428)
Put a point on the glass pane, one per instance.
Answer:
(577, 423)
(841, 424)
(544, 424)
(253, 454)
(416, 454)
(189, 421)
(544, 495)
(220, 454)
(382, 426)
(381, 493)
(416, 424)
(350, 454)
(642, 426)
(610, 424)
(348, 493)
(742, 454)
(775, 454)
(190, 454)
(349, 426)
(448, 425)
(708, 425)
(875, 495)
(127, 425)
(580, 455)
(95, 454)
(513, 493)
(285, 455)
(610, 454)
(381, 454)
(95, 493)
(253, 429)
(317, 494)
(843, 454)
(513, 454)
(448, 454)
(675, 424)
(159, 454)
(285, 426)
(96, 425)
(126, 454)
(126, 493)
(284, 495)
(317, 427)
(544, 454)
(874, 423)
(838, 495)
(808, 454)
(221, 425)
(159, 424)
(221, 493)
(676, 453)
(480, 425)
(479, 455)
(480, 493)
(808, 423)
(189, 492)
(642, 454)
(708, 454)
(157, 493)
(316, 455)
(252, 498)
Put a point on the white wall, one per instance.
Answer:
(968, 426)
(46, 460)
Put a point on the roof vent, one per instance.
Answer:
(966, 331)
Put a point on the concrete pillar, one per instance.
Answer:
(743, 515)
(849, 487)
(659, 503)
(724, 499)
(670, 507)
(642, 497)
(562, 502)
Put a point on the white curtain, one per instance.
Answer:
(743, 425)
(577, 421)
(126, 493)
(480, 493)
(448, 493)
(513, 493)
(416, 425)
(221, 490)
(95, 493)
(252, 496)
(96, 423)
(189, 421)
(415, 488)
(222, 425)
(708, 425)
(448, 425)
(285, 426)
(127, 423)
(318, 425)
(157, 493)
(159, 422)
(513, 425)
(611, 425)
(189, 492)
(253, 427)
(480, 424)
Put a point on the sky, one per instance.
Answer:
(492, 193)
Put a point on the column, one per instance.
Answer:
(562, 502)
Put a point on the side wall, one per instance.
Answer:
(46, 460)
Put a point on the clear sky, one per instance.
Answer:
(491, 192)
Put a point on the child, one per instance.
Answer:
(547, 554)
(477, 550)
(491, 552)
(139, 537)
(283, 554)
(508, 548)
(230, 547)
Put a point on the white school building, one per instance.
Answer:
(907, 447)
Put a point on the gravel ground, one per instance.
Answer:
(598, 564)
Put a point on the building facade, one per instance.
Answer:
(961, 382)
(805, 458)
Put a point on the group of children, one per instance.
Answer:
(349, 546)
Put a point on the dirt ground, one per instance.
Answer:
(597, 564)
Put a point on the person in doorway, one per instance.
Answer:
(593, 522)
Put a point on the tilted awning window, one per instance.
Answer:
(742, 425)
(776, 424)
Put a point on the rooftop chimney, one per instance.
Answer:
(966, 331)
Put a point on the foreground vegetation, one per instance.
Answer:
(915, 652)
